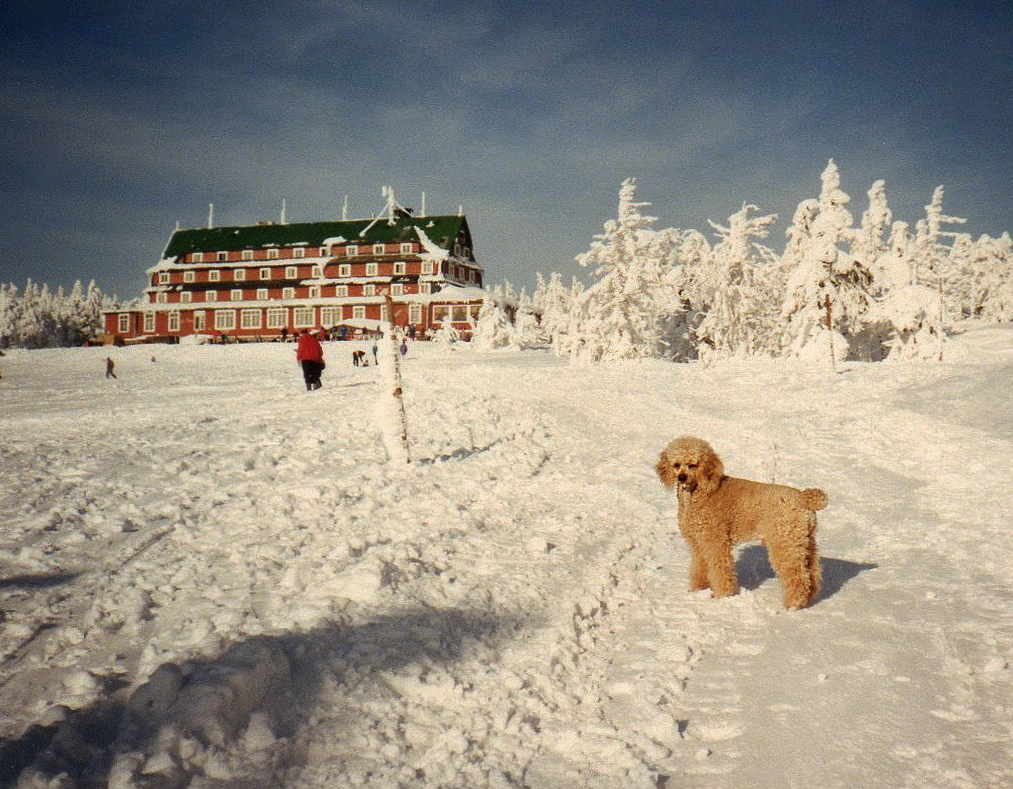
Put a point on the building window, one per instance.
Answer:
(397, 289)
(236, 295)
(329, 316)
(369, 290)
(406, 248)
(261, 294)
(399, 267)
(272, 254)
(251, 319)
(197, 257)
(161, 298)
(415, 313)
(425, 287)
(265, 273)
(302, 317)
(378, 249)
(199, 320)
(288, 293)
(427, 267)
(317, 272)
(225, 320)
(214, 275)
(352, 249)
(189, 276)
(291, 272)
(149, 322)
(314, 291)
(298, 252)
(344, 270)
(277, 318)
(358, 312)
(457, 250)
(239, 275)
(247, 254)
(371, 269)
(341, 291)
(186, 297)
(123, 324)
(222, 257)
(211, 295)
(173, 321)
(163, 278)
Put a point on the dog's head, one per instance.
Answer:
(691, 464)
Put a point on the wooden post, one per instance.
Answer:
(395, 356)
(830, 333)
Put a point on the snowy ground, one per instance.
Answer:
(212, 578)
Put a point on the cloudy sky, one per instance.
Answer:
(119, 118)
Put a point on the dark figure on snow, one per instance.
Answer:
(110, 365)
(310, 354)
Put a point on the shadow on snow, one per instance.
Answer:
(753, 569)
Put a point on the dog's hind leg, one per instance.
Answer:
(813, 561)
(791, 564)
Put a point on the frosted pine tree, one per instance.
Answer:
(739, 317)
(824, 272)
(871, 242)
(555, 306)
(9, 307)
(493, 329)
(621, 315)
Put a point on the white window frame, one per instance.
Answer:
(303, 317)
(189, 276)
(288, 293)
(214, 275)
(252, 319)
(199, 320)
(425, 287)
(222, 257)
(298, 252)
(163, 278)
(211, 295)
(359, 312)
(272, 253)
(277, 317)
(330, 316)
(406, 247)
(149, 322)
(352, 249)
(314, 291)
(185, 297)
(291, 272)
(265, 273)
(239, 275)
(225, 320)
(316, 272)
(396, 289)
(415, 313)
(197, 257)
(247, 254)
(262, 294)
(162, 298)
(372, 269)
(427, 267)
(344, 270)
(400, 267)
(236, 294)
(369, 290)
(174, 320)
(379, 249)
(341, 291)
(123, 322)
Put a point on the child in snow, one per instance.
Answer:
(110, 364)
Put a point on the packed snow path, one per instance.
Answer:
(212, 578)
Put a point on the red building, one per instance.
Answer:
(272, 279)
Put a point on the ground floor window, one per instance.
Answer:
(149, 322)
(199, 320)
(225, 320)
(302, 316)
(358, 312)
(173, 321)
(415, 313)
(440, 313)
(329, 316)
(124, 323)
(277, 318)
(252, 319)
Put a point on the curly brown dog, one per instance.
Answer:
(717, 512)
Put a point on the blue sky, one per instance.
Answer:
(118, 119)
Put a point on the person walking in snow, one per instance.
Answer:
(310, 354)
(110, 365)
(375, 349)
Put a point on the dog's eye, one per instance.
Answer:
(691, 465)
(675, 465)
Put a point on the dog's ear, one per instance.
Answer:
(665, 471)
(711, 471)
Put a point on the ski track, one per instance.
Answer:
(447, 624)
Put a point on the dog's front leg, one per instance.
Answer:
(721, 571)
(698, 575)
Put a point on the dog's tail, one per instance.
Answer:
(814, 499)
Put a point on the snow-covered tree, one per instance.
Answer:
(622, 314)
(825, 271)
(741, 317)
(492, 329)
(916, 314)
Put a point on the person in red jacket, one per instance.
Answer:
(310, 354)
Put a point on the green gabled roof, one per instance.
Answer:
(441, 230)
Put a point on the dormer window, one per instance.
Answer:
(378, 249)
(272, 254)
(352, 249)
(197, 257)
(298, 252)
(406, 248)
(163, 278)
(222, 257)
(247, 254)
